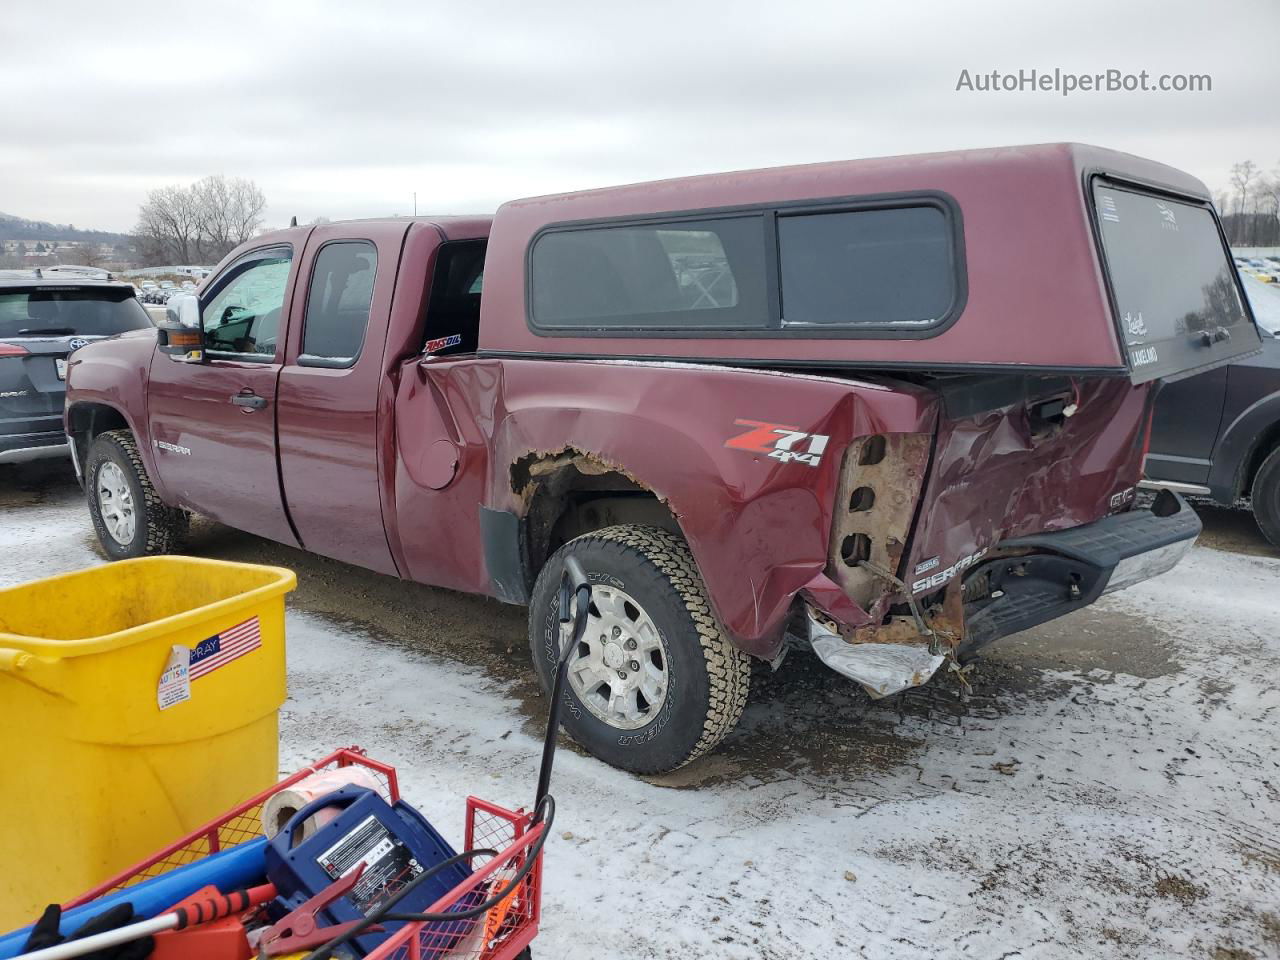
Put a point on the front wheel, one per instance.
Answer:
(655, 682)
(1266, 497)
(128, 515)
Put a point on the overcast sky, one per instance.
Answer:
(345, 109)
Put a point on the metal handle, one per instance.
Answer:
(250, 401)
(573, 585)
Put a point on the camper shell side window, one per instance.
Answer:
(864, 267)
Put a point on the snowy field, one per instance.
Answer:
(1110, 790)
(1265, 300)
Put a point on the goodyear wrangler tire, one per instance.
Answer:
(655, 682)
(128, 515)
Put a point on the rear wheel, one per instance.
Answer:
(655, 681)
(128, 515)
(1266, 496)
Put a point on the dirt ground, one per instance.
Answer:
(1110, 789)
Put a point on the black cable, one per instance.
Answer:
(383, 912)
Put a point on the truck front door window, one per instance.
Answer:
(243, 317)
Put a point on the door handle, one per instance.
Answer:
(248, 401)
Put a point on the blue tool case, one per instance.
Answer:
(394, 842)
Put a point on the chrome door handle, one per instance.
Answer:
(248, 401)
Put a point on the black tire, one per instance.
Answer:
(707, 677)
(1266, 497)
(158, 528)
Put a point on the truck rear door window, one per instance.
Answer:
(338, 303)
(867, 269)
(1175, 289)
(678, 275)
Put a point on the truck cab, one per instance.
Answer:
(894, 409)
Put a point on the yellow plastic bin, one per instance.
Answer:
(138, 700)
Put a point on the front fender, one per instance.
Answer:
(719, 446)
(1236, 445)
(113, 373)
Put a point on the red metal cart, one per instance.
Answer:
(503, 892)
(512, 925)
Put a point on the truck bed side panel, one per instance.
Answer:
(758, 527)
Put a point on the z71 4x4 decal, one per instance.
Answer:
(779, 442)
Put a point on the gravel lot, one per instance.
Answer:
(1109, 790)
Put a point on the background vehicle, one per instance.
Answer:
(1218, 435)
(874, 405)
(42, 321)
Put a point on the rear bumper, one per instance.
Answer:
(1039, 578)
(22, 448)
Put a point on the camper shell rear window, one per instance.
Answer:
(1176, 295)
(875, 267)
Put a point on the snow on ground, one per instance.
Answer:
(1110, 790)
(1265, 300)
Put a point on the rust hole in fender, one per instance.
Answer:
(855, 547)
(873, 450)
(864, 498)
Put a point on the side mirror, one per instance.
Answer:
(183, 309)
(180, 334)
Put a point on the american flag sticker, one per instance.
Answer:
(231, 644)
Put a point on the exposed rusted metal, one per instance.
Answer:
(879, 484)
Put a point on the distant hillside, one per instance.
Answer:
(17, 228)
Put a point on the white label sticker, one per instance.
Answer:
(175, 681)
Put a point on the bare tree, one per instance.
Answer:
(199, 223)
(247, 206)
(1243, 175)
(89, 255)
(1270, 190)
(168, 225)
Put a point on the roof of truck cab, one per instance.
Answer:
(1027, 252)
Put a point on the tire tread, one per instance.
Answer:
(165, 526)
(728, 668)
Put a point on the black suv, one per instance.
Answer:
(1218, 435)
(41, 321)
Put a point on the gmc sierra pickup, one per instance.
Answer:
(893, 408)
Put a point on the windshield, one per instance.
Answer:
(69, 311)
(1175, 286)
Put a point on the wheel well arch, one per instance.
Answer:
(86, 420)
(1267, 442)
(1241, 447)
(568, 493)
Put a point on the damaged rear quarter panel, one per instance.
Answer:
(759, 528)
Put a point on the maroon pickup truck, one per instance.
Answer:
(893, 409)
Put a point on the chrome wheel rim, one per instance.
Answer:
(115, 504)
(619, 669)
